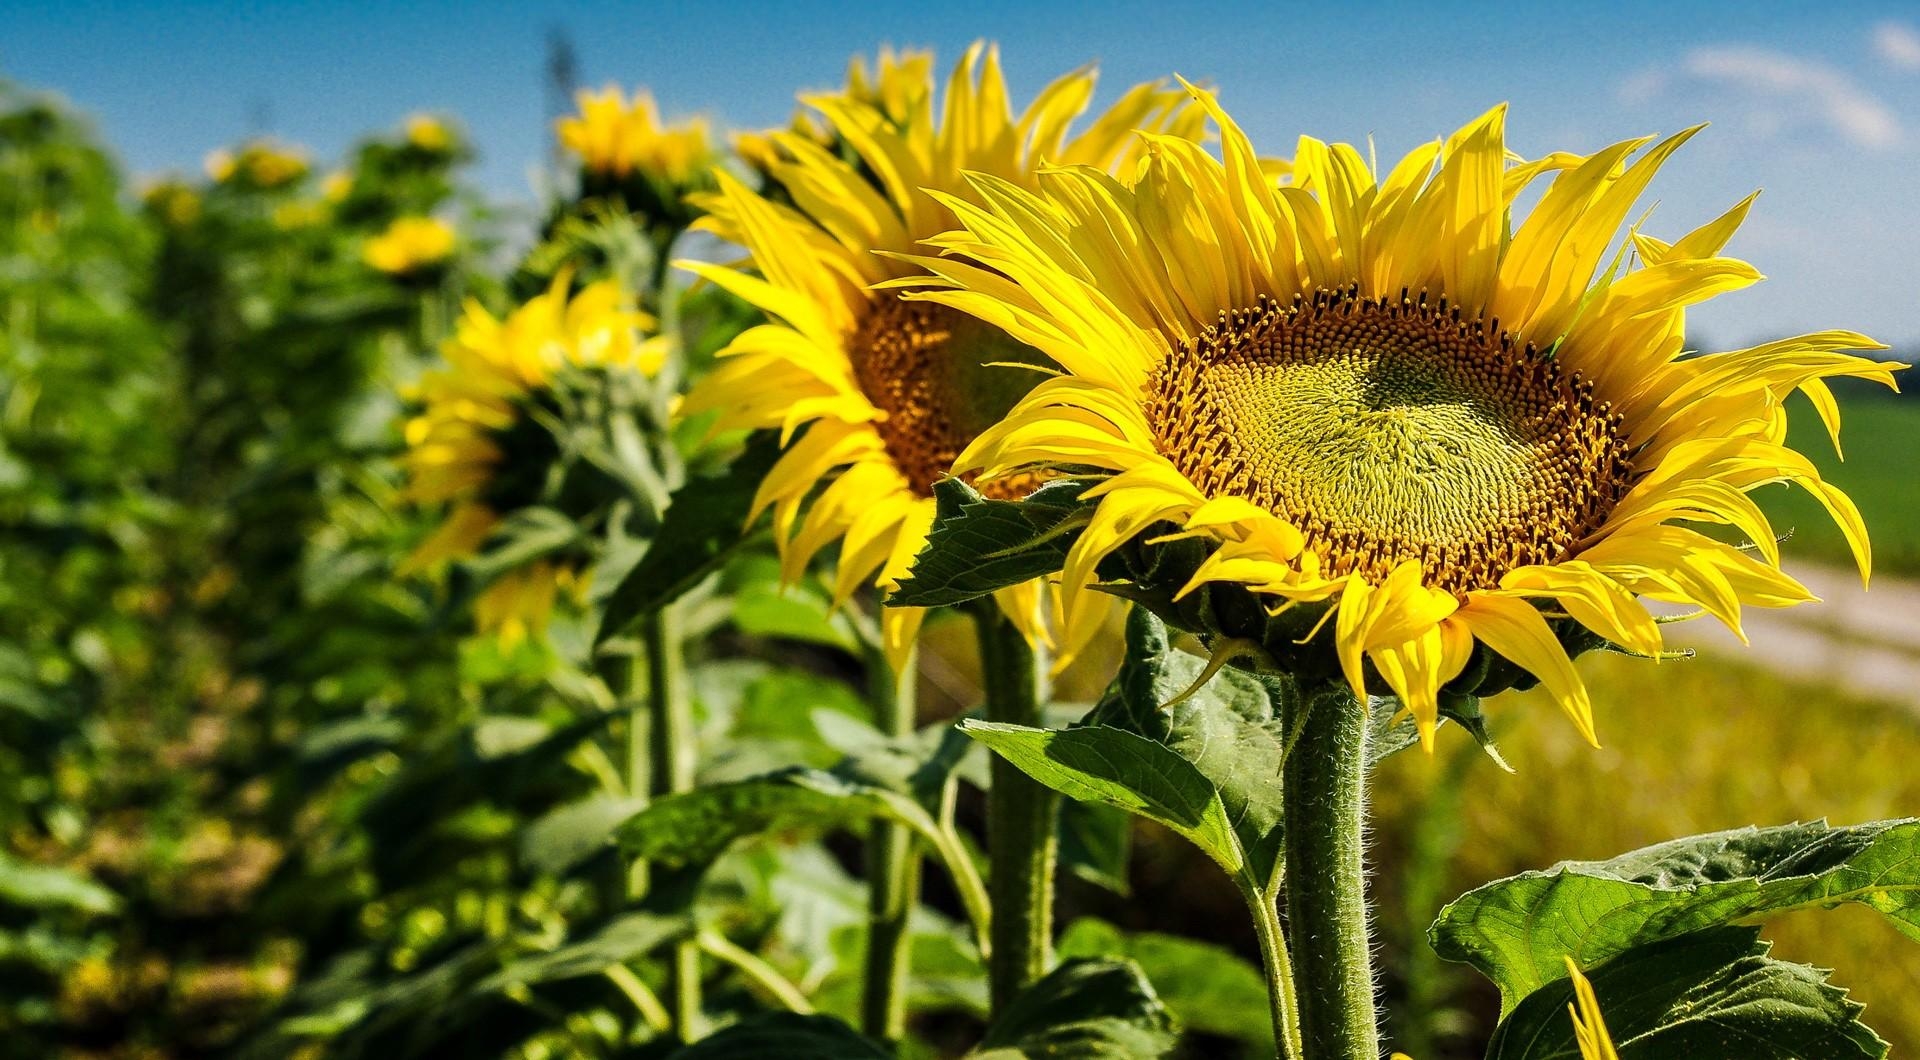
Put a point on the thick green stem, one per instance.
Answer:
(1022, 819)
(1282, 999)
(893, 874)
(668, 761)
(1325, 779)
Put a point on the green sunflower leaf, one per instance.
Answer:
(1207, 766)
(706, 522)
(1231, 729)
(694, 828)
(521, 538)
(1083, 1010)
(570, 834)
(784, 1035)
(1113, 767)
(618, 941)
(979, 545)
(1709, 995)
(1096, 845)
(1206, 987)
(28, 885)
(1517, 930)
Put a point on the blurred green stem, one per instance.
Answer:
(1023, 834)
(893, 872)
(644, 1000)
(661, 753)
(759, 972)
(1324, 778)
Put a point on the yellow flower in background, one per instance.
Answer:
(262, 164)
(1389, 396)
(428, 133)
(463, 449)
(173, 202)
(519, 603)
(617, 138)
(410, 244)
(1589, 1030)
(890, 390)
(337, 186)
(293, 216)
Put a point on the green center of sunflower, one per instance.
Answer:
(1393, 430)
(930, 369)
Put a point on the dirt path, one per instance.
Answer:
(1865, 642)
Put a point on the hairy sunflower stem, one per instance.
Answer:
(1283, 1002)
(666, 756)
(893, 873)
(1325, 780)
(1022, 818)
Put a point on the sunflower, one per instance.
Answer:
(429, 135)
(616, 138)
(889, 390)
(173, 201)
(1389, 398)
(261, 164)
(410, 245)
(336, 186)
(473, 448)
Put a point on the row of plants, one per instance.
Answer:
(435, 654)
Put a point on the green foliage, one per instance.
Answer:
(695, 828)
(1709, 995)
(979, 545)
(1517, 931)
(267, 798)
(784, 1034)
(1205, 987)
(1085, 1009)
(706, 523)
(1205, 767)
(31, 886)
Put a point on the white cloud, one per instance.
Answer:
(1783, 90)
(1898, 44)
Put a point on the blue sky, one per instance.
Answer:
(1819, 105)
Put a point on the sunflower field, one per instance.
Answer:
(956, 576)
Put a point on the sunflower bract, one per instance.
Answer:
(1387, 396)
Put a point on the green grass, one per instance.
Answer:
(1879, 438)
